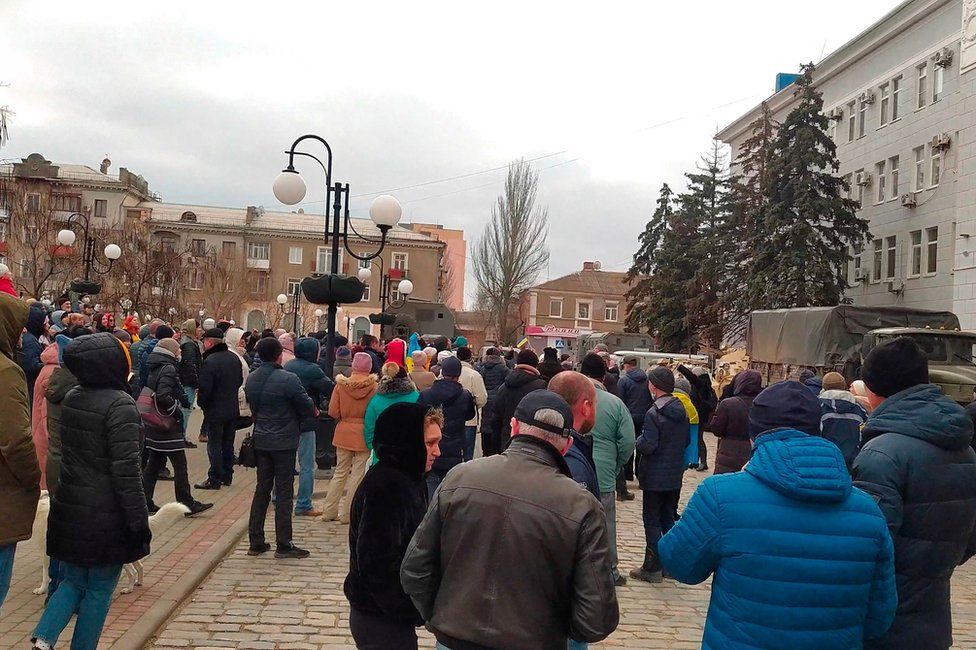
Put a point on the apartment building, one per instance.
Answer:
(274, 251)
(455, 261)
(901, 102)
(557, 312)
(36, 199)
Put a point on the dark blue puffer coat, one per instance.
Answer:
(458, 406)
(917, 463)
(801, 560)
(632, 389)
(662, 443)
(306, 367)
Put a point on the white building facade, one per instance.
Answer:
(901, 98)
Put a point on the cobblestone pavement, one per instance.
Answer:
(267, 604)
(185, 552)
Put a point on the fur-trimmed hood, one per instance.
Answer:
(393, 385)
(358, 385)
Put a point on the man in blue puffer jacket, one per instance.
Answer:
(801, 559)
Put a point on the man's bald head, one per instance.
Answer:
(155, 323)
(580, 393)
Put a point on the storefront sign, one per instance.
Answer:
(551, 330)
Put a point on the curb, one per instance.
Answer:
(143, 631)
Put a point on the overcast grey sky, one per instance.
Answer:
(203, 98)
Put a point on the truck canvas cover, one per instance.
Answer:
(824, 336)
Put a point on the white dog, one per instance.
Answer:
(166, 517)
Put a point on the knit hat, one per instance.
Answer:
(549, 355)
(343, 352)
(164, 332)
(419, 359)
(785, 405)
(460, 342)
(894, 366)
(442, 355)
(451, 367)
(527, 358)
(430, 352)
(209, 324)
(681, 383)
(593, 366)
(834, 381)
(662, 379)
(396, 352)
(362, 362)
(170, 345)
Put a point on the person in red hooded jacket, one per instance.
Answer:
(6, 281)
(396, 352)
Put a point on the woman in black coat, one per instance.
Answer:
(731, 423)
(386, 511)
(705, 400)
(164, 382)
(98, 519)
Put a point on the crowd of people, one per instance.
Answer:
(834, 519)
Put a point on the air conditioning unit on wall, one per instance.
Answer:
(867, 97)
(943, 58)
(863, 179)
(941, 141)
(861, 275)
(837, 114)
(908, 200)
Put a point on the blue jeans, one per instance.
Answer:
(6, 569)
(86, 592)
(220, 451)
(54, 577)
(306, 471)
(191, 395)
(470, 435)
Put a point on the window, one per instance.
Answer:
(323, 259)
(3, 231)
(880, 170)
(188, 217)
(26, 268)
(876, 271)
(610, 312)
(399, 261)
(891, 244)
(583, 310)
(923, 80)
(364, 264)
(101, 208)
(33, 203)
(832, 129)
(885, 104)
(895, 97)
(851, 121)
(198, 247)
(395, 295)
(167, 243)
(863, 123)
(66, 202)
(915, 269)
(292, 286)
(555, 307)
(133, 214)
(194, 279)
(294, 254)
(849, 182)
(936, 166)
(859, 191)
(931, 249)
(938, 81)
(365, 292)
(31, 235)
(228, 249)
(259, 283)
(258, 250)
(893, 163)
(856, 251)
(919, 169)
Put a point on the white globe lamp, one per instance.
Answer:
(365, 275)
(289, 187)
(385, 211)
(66, 237)
(113, 252)
(282, 299)
(405, 288)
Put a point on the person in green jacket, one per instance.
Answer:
(394, 387)
(613, 443)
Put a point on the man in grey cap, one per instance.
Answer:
(548, 579)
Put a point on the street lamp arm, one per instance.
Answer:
(292, 153)
(347, 224)
(83, 220)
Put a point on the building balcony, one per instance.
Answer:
(258, 264)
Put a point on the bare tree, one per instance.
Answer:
(511, 251)
(224, 281)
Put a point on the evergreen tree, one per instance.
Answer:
(806, 230)
(661, 274)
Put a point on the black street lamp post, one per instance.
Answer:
(334, 289)
(89, 258)
(404, 289)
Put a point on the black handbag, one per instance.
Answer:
(246, 456)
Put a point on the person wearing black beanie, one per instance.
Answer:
(518, 383)
(593, 366)
(164, 332)
(916, 461)
(785, 405)
(527, 357)
(549, 367)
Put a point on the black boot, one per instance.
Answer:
(650, 571)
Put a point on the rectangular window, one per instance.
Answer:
(399, 261)
(931, 249)
(555, 308)
(228, 249)
(101, 208)
(893, 163)
(938, 81)
(923, 82)
(198, 247)
(323, 259)
(863, 123)
(885, 104)
(3, 231)
(258, 250)
(856, 252)
(292, 286)
(919, 169)
(194, 279)
(366, 293)
(294, 254)
(364, 264)
(395, 295)
(895, 97)
(31, 235)
(849, 182)
(851, 121)
(167, 243)
(610, 312)
(915, 269)
(583, 310)
(881, 171)
(878, 253)
(259, 283)
(936, 166)
(66, 202)
(33, 203)
(891, 244)
(859, 189)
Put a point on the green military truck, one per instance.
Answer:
(783, 342)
